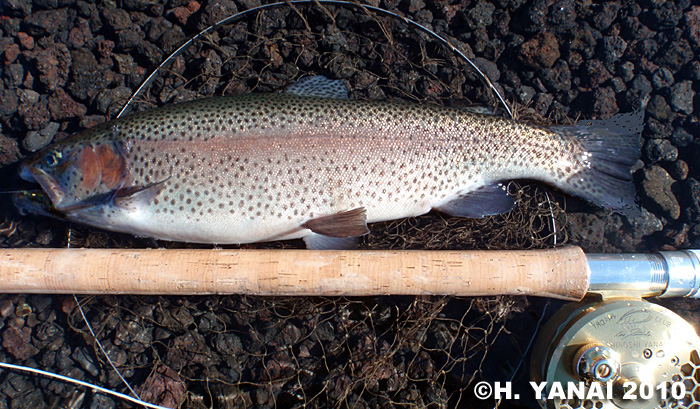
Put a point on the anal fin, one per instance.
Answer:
(344, 224)
(484, 201)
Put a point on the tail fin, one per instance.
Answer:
(613, 146)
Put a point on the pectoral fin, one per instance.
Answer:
(344, 224)
(484, 201)
(320, 242)
(134, 197)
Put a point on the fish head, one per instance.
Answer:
(77, 171)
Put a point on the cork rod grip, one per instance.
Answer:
(560, 273)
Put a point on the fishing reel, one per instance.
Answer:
(616, 350)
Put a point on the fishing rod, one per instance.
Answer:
(565, 273)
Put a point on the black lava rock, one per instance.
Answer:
(658, 108)
(678, 169)
(605, 13)
(214, 11)
(542, 103)
(656, 129)
(116, 19)
(662, 78)
(681, 97)
(595, 73)
(480, 15)
(666, 15)
(36, 140)
(562, 15)
(680, 137)
(691, 22)
(17, 8)
(129, 39)
(53, 65)
(676, 54)
(87, 76)
(52, 4)
(656, 184)
(626, 71)
(533, 18)
(640, 89)
(557, 78)
(613, 48)
(45, 22)
(657, 150)
(690, 193)
(540, 52)
(604, 102)
(9, 151)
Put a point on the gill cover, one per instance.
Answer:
(74, 175)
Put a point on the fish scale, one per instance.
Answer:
(263, 167)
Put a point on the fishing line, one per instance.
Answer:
(239, 16)
(7, 192)
(94, 387)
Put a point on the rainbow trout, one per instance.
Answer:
(311, 163)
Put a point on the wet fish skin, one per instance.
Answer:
(262, 167)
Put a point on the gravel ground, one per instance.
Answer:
(70, 64)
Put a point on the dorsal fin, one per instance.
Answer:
(319, 86)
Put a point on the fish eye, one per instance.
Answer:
(52, 158)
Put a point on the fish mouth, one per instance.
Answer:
(25, 172)
(35, 202)
(46, 181)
